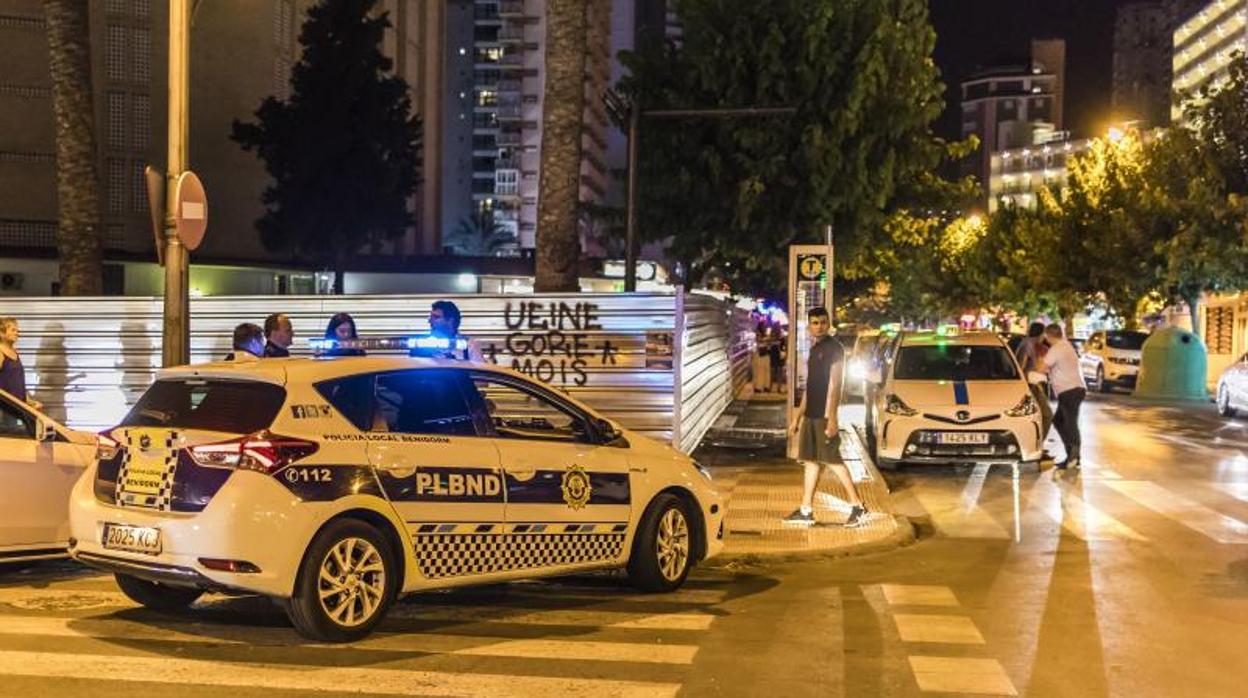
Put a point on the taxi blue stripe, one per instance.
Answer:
(959, 393)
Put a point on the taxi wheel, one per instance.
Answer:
(663, 547)
(346, 583)
(1224, 402)
(157, 596)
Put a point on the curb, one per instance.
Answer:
(904, 533)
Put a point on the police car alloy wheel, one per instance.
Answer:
(346, 583)
(157, 596)
(661, 552)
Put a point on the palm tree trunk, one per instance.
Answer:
(77, 177)
(558, 245)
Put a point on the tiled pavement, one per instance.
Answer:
(763, 486)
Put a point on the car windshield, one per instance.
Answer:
(1126, 340)
(954, 362)
(239, 407)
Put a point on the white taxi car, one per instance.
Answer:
(1112, 359)
(334, 485)
(953, 398)
(40, 461)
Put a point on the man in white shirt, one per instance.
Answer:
(1061, 362)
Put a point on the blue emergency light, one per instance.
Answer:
(423, 344)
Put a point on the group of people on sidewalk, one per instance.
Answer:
(768, 364)
(1045, 351)
(252, 343)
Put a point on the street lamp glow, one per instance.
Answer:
(1116, 134)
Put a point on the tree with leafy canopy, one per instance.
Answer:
(859, 74)
(480, 235)
(343, 150)
(1197, 194)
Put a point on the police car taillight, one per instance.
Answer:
(262, 452)
(106, 447)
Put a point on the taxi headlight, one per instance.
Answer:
(1025, 408)
(895, 405)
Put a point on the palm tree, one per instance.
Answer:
(558, 244)
(77, 176)
(479, 236)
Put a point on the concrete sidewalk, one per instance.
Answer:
(745, 453)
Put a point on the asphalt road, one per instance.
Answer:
(1127, 579)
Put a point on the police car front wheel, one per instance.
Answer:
(662, 550)
(156, 596)
(346, 583)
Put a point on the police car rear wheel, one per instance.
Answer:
(156, 596)
(346, 583)
(661, 552)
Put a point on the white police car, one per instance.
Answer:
(335, 485)
(956, 397)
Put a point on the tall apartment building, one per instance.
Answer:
(495, 68)
(1013, 105)
(241, 52)
(1143, 59)
(1205, 43)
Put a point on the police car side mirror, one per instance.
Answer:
(607, 433)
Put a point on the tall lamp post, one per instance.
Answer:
(175, 343)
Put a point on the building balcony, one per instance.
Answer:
(511, 8)
(511, 35)
(510, 86)
(510, 112)
(509, 138)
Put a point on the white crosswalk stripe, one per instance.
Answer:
(458, 644)
(380, 681)
(1176, 507)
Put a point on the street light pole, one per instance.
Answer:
(630, 232)
(175, 334)
(634, 134)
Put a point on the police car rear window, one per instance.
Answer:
(954, 362)
(239, 407)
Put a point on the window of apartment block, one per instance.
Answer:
(140, 122)
(116, 119)
(118, 185)
(115, 54)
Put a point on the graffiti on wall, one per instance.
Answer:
(553, 342)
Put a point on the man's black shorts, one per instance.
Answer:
(814, 445)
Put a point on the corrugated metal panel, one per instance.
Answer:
(714, 364)
(88, 359)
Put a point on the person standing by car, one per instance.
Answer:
(12, 373)
(444, 319)
(342, 327)
(1061, 362)
(279, 335)
(248, 343)
(762, 360)
(816, 425)
(1030, 353)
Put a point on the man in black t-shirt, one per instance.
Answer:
(816, 425)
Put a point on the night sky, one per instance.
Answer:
(980, 32)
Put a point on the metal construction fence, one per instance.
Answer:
(663, 364)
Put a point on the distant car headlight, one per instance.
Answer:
(895, 405)
(1025, 408)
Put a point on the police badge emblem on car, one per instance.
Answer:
(576, 487)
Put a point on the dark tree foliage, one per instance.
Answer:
(740, 190)
(343, 150)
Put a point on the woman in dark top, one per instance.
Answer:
(12, 373)
(342, 326)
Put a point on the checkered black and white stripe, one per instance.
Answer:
(163, 499)
(440, 556)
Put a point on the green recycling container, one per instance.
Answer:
(1173, 366)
